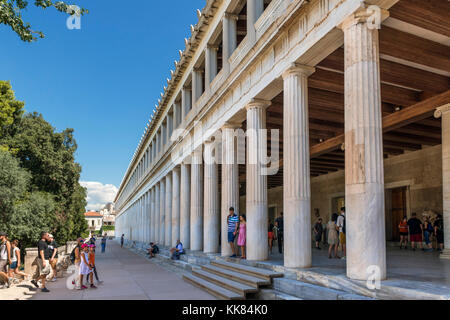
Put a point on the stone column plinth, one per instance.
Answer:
(364, 171)
(230, 181)
(162, 211)
(229, 38)
(444, 113)
(296, 168)
(185, 205)
(168, 217)
(211, 228)
(30, 263)
(257, 210)
(197, 201)
(175, 205)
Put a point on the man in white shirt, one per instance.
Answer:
(177, 251)
(341, 225)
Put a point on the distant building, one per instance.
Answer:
(94, 220)
(109, 219)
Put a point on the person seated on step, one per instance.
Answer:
(177, 251)
(152, 250)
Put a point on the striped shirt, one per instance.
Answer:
(232, 222)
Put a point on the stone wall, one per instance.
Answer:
(419, 171)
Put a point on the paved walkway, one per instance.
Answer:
(128, 276)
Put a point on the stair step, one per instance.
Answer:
(255, 282)
(228, 284)
(213, 289)
(252, 271)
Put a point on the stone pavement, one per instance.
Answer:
(127, 276)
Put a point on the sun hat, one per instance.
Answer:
(84, 245)
(92, 246)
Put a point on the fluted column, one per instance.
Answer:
(255, 8)
(296, 174)
(185, 205)
(197, 85)
(162, 210)
(152, 214)
(175, 205)
(211, 228)
(197, 201)
(229, 38)
(168, 217)
(210, 65)
(364, 172)
(230, 182)
(186, 101)
(444, 112)
(257, 210)
(157, 236)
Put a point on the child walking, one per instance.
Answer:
(242, 235)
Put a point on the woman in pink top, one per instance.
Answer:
(242, 234)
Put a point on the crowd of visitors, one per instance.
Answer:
(10, 261)
(422, 232)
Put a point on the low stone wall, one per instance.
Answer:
(31, 262)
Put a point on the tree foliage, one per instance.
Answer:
(11, 110)
(39, 181)
(11, 15)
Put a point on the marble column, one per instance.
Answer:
(257, 209)
(186, 101)
(444, 113)
(197, 201)
(255, 8)
(364, 171)
(229, 38)
(211, 228)
(157, 213)
(296, 168)
(162, 211)
(210, 65)
(152, 214)
(197, 85)
(185, 205)
(230, 182)
(168, 220)
(175, 205)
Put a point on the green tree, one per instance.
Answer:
(11, 110)
(11, 15)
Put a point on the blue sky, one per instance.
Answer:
(102, 80)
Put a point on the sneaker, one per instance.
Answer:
(343, 258)
(233, 256)
(54, 279)
(45, 290)
(83, 287)
(100, 282)
(35, 283)
(93, 287)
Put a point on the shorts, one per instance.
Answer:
(440, 237)
(44, 270)
(404, 234)
(13, 265)
(3, 264)
(318, 237)
(416, 237)
(270, 235)
(342, 238)
(231, 236)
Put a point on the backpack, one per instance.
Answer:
(343, 225)
(72, 254)
(155, 249)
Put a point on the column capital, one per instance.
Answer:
(231, 125)
(212, 46)
(298, 69)
(258, 103)
(231, 16)
(372, 15)
(441, 110)
(198, 70)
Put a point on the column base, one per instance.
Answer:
(445, 254)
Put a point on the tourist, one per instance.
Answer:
(43, 262)
(91, 261)
(403, 230)
(341, 225)
(415, 231)
(427, 232)
(232, 222)
(332, 236)
(121, 240)
(152, 250)
(85, 269)
(177, 251)
(75, 258)
(92, 240)
(242, 234)
(104, 243)
(439, 233)
(280, 227)
(5, 256)
(53, 254)
(16, 261)
(271, 235)
(318, 230)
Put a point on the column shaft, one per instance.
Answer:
(175, 205)
(162, 211)
(210, 65)
(157, 213)
(185, 206)
(197, 201)
(255, 8)
(229, 38)
(211, 228)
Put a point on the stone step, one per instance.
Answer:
(225, 283)
(236, 276)
(252, 271)
(213, 289)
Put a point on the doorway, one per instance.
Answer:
(398, 210)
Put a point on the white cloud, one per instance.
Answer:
(98, 194)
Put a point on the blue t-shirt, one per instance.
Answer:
(180, 248)
(232, 221)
